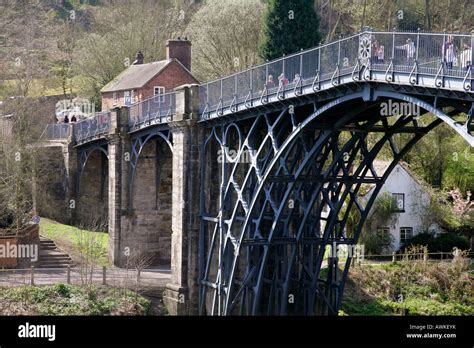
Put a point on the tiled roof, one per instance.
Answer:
(135, 76)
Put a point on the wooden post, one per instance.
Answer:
(425, 256)
(32, 280)
(138, 276)
(68, 274)
(104, 275)
(394, 257)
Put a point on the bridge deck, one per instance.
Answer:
(394, 58)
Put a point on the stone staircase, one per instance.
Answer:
(50, 256)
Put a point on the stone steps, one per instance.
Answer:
(50, 256)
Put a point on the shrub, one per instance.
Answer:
(65, 299)
(411, 287)
(448, 241)
(444, 242)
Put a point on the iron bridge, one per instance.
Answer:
(303, 152)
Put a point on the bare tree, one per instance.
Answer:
(120, 30)
(26, 31)
(226, 36)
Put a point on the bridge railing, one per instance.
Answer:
(290, 73)
(414, 53)
(56, 131)
(432, 54)
(154, 110)
(92, 127)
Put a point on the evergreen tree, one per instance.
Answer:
(289, 26)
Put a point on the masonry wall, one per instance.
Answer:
(174, 75)
(159, 215)
(92, 202)
(51, 184)
(147, 229)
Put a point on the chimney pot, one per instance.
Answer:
(139, 59)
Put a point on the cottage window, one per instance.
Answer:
(159, 91)
(406, 233)
(384, 234)
(399, 199)
(114, 98)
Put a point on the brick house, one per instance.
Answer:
(143, 80)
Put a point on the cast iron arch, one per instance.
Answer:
(226, 291)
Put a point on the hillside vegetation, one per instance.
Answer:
(411, 287)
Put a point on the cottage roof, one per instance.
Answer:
(381, 167)
(135, 76)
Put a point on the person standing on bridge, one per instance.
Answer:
(410, 49)
(381, 54)
(449, 52)
(270, 82)
(282, 80)
(466, 57)
(297, 79)
(375, 51)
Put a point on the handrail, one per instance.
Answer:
(91, 127)
(367, 63)
(407, 32)
(312, 49)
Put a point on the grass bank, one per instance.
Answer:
(76, 241)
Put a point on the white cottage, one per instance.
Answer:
(411, 201)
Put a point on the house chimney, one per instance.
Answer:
(179, 49)
(139, 59)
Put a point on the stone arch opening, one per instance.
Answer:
(92, 191)
(147, 228)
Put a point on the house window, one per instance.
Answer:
(127, 98)
(159, 91)
(399, 201)
(406, 233)
(384, 235)
(114, 98)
